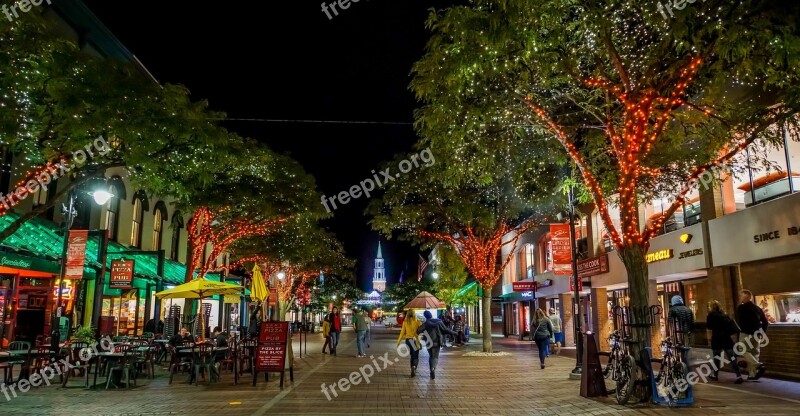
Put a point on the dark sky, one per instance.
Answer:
(285, 60)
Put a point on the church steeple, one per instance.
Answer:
(379, 274)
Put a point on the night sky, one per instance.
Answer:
(286, 60)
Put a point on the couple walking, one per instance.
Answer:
(434, 331)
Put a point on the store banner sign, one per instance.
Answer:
(121, 274)
(76, 254)
(523, 286)
(561, 247)
(593, 266)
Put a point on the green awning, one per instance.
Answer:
(467, 288)
(39, 238)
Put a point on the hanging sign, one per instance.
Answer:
(121, 274)
(561, 248)
(76, 253)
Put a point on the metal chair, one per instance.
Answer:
(21, 360)
(125, 366)
(246, 354)
(203, 359)
(76, 364)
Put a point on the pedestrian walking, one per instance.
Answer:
(542, 334)
(558, 336)
(326, 333)
(434, 331)
(681, 321)
(336, 328)
(751, 320)
(722, 328)
(362, 327)
(408, 335)
(458, 328)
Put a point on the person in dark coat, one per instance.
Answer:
(682, 320)
(753, 323)
(722, 327)
(434, 330)
(542, 334)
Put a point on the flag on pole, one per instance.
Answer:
(422, 265)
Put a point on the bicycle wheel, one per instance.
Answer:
(626, 379)
(678, 372)
(609, 374)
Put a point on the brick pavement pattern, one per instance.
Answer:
(509, 385)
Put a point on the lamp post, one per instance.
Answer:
(100, 197)
(576, 283)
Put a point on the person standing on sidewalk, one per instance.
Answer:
(326, 333)
(722, 327)
(435, 331)
(681, 320)
(336, 328)
(408, 335)
(751, 320)
(362, 327)
(542, 334)
(558, 336)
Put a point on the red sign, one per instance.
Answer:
(121, 274)
(273, 331)
(593, 266)
(524, 286)
(572, 284)
(273, 296)
(561, 248)
(272, 345)
(76, 254)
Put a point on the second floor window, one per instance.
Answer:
(177, 226)
(158, 227)
(136, 224)
(112, 216)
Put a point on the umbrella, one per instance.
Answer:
(199, 289)
(258, 290)
(424, 301)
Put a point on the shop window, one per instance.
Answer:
(526, 262)
(780, 308)
(769, 172)
(136, 224)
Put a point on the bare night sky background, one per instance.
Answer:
(285, 60)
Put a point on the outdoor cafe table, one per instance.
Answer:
(6, 356)
(188, 351)
(104, 355)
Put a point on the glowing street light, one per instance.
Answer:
(101, 197)
(435, 275)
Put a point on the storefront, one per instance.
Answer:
(762, 244)
(28, 290)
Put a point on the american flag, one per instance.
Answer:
(422, 265)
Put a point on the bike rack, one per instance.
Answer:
(658, 398)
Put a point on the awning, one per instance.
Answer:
(467, 288)
(41, 240)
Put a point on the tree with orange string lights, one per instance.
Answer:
(482, 220)
(641, 104)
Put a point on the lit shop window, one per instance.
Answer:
(780, 308)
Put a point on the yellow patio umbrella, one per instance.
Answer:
(258, 290)
(199, 289)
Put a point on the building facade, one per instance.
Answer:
(379, 272)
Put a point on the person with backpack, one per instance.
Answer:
(435, 331)
(542, 334)
(722, 328)
(751, 320)
(681, 320)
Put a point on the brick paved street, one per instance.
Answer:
(463, 386)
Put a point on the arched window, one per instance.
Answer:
(159, 214)
(117, 189)
(140, 205)
(177, 226)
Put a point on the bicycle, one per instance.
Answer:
(620, 368)
(672, 370)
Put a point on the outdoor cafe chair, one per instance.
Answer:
(203, 359)
(17, 360)
(40, 358)
(229, 360)
(76, 364)
(176, 363)
(144, 361)
(125, 366)
(246, 354)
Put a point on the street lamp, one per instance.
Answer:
(577, 318)
(100, 197)
(435, 275)
(281, 275)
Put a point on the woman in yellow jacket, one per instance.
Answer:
(326, 332)
(408, 334)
